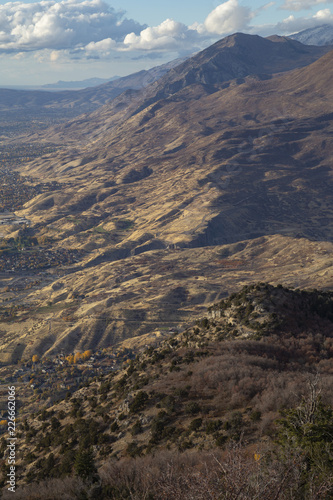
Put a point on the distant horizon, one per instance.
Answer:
(42, 42)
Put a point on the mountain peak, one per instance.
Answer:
(235, 57)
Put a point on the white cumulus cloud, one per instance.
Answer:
(169, 35)
(228, 17)
(294, 24)
(66, 24)
(323, 16)
(101, 47)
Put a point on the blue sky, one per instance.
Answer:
(188, 11)
(44, 41)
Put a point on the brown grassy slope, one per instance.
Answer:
(259, 152)
(152, 291)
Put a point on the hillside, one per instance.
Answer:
(221, 380)
(212, 151)
(319, 35)
(234, 58)
(219, 183)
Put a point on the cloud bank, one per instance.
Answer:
(67, 24)
(93, 28)
(171, 35)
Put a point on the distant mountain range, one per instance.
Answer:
(79, 84)
(70, 103)
(230, 58)
(320, 35)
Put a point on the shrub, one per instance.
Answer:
(139, 402)
(114, 427)
(255, 416)
(55, 424)
(195, 424)
(168, 403)
(137, 428)
(133, 450)
(189, 357)
(158, 426)
(193, 408)
(61, 415)
(221, 440)
(213, 426)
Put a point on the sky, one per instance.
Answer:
(43, 41)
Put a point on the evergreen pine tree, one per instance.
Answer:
(84, 465)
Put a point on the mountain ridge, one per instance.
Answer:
(319, 35)
(236, 57)
(88, 82)
(76, 102)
